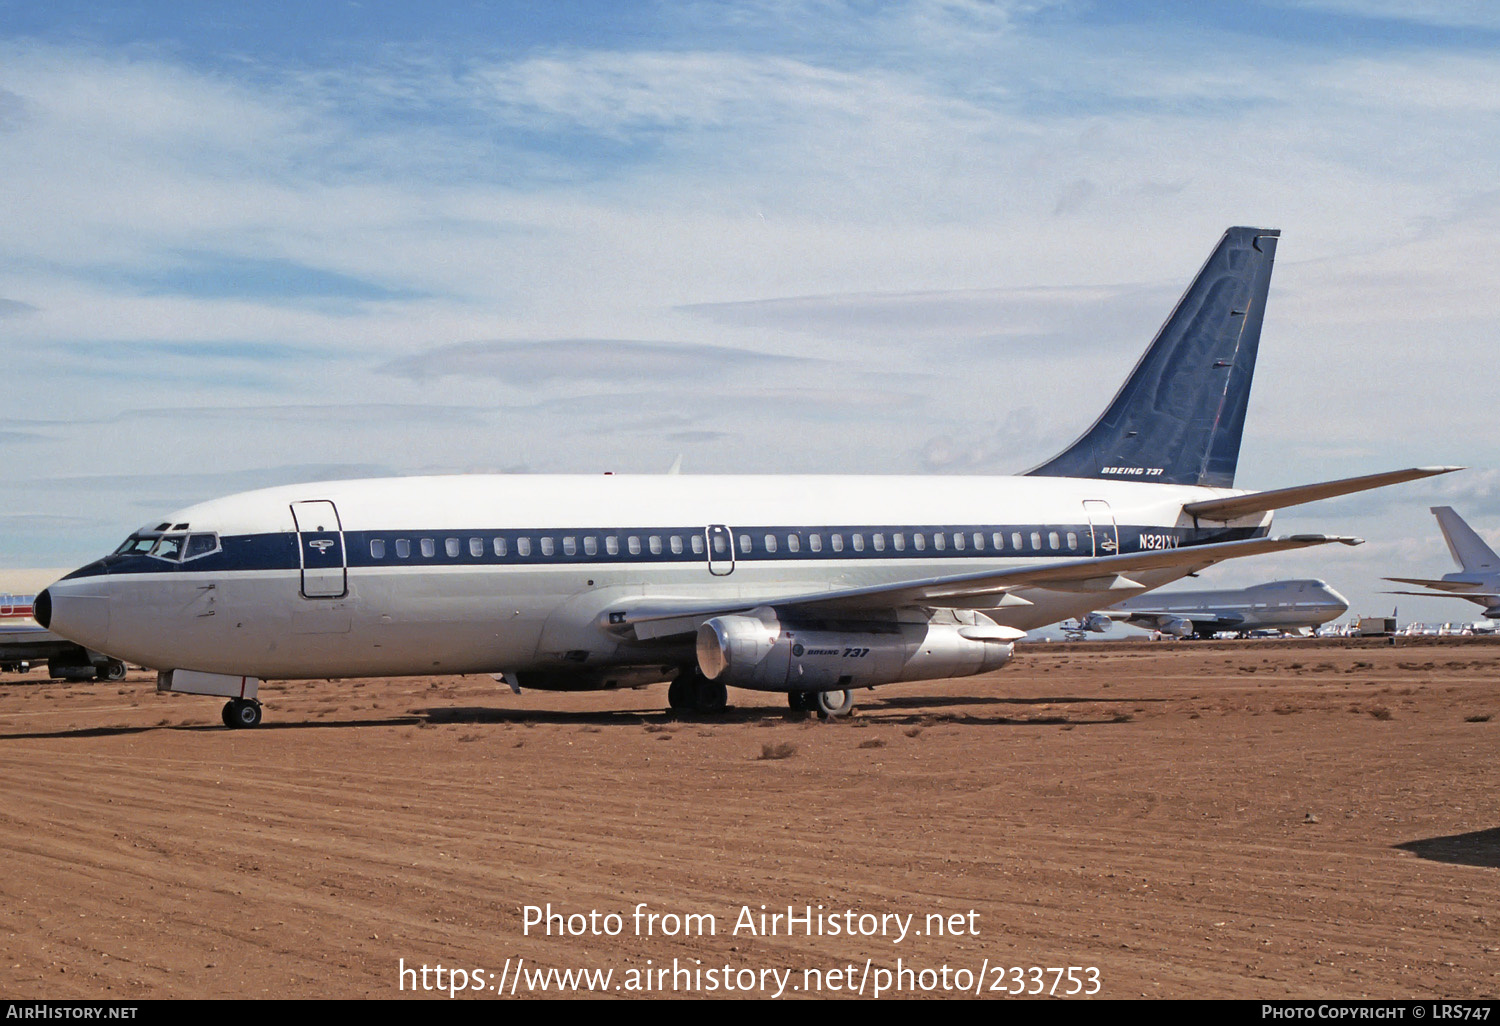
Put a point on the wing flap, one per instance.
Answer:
(1238, 506)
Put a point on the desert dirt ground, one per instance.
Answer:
(1217, 819)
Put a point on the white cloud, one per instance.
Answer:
(977, 226)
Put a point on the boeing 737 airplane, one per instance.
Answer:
(1478, 579)
(808, 586)
(1277, 605)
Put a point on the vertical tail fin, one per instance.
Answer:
(1179, 416)
(1469, 550)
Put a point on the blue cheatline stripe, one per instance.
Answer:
(279, 551)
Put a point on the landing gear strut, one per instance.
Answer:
(241, 712)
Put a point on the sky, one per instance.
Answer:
(245, 245)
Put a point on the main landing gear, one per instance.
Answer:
(827, 704)
(241, 712)
(693, 692)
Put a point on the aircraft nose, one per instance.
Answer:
(76, 609)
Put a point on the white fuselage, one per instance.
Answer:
(513, 573)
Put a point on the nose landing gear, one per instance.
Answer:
(241, 712)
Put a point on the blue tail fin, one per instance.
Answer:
(1179, 416)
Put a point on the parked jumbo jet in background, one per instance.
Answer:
(1478, 578)
(1277, 605)
(810, 586)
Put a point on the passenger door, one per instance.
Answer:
(720, 550)
(1104, 533)
(320, 548)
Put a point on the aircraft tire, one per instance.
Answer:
(680, 692)
(112, 670)
(241, 713)
(709, 696)
(227, 714)
(833, 703)
(800, 701)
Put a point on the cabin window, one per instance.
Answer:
(1072, 541)
(815, 542)
(1054, 541)
(938, 541)
(836, 542)
(403, 548)
(744, 543)
(547, 546)
(697, 541)
(429, 548)
(899, 541)
(450, 546)
(675, 541)
(1036, 540)
(998, 538)
(770, 543)
(476, 547)
(858, 541)
(499, 546)
(1015, 540)
(654, 544)
(958, 540)
(570, 545)
(793, 543)
(978, 541)
(878, 540)
(590, 546)
(719, 545)
(523, 546)
(377, 548)
(612, 545)
(919, 541)
(633, 543)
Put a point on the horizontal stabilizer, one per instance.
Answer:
(1453, 586)
(1237, 506)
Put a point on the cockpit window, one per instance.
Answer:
(169, 546)
(200, 545)
(137, 544)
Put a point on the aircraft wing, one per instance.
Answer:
(1279, 498)
(652, 617)
(1459, 587)
(1156, 619)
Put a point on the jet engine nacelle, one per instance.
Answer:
(1177, 627)
(758, 651)
(1492, 613)
(1096, 623)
